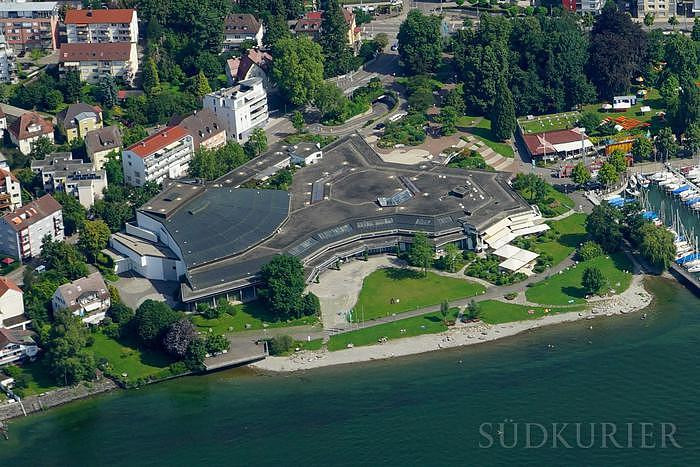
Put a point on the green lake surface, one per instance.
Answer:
(424, 410)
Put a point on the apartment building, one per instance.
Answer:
(660, 8)
(22, 232)
(241, 27)
(30, 25)
(11, 305)
(60, 172)
(16, 345)
(78, 119)
(240, 108)
(165, 154)
(98, 26)
(204, 127)
(27, 129)
(93, 61)
(8, 68)
(101, 143)
(10, 191)
(86, 297)
(590, 6)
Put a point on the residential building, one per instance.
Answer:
(10, 191)
(240, 108)
(254, 64)
(16, 345)
(87, 297)
(102, 142)
(660, 8)
(241, 27)
(99, 26)
(60, 172)
(93, 61)
(8, 69)
(78, 119)
(11, 305)
(559, 144)
(589, 6)
(312, 21)
(30, 25)
(22, 232)
(27, 129)
(206, 129)
(165, 154)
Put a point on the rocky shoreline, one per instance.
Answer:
(635, 298)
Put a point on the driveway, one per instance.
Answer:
(134, 290)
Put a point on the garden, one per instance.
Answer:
(487, 268)
(409, 131)
(246, 316)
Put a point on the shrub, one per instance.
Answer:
(195, 355)
(310, 305)
(280, 344)
(589, 250)
(216, 344)
(178, 337)
(212, 312)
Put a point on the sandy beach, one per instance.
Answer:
(633, 299)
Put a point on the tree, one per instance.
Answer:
(421, 99)
(444, 311)
(695, 35)
(276, 29)
(195, 355)
(178, 337)
(657, 245)
(618, 160)
(330, 101)
(455, 99)
(256, 144)
(53, 99)
(93, 238)
(580, 174)
(421, 252)
(649, 19)
(201, 85)
(216, 343)
(152, 320)
(673, 21)
(310, 305)
(41, 148)
(666, 142)
(107, 91)
(680, 53)
(593, 280)
(603, 226)
(420, 42)
(473, 311)
(284, 285)
(590, 121)
(608, 175)
(692, 138)
(451, 257)
(120, 313)
(297, 68)
(69, 359)
(382, 40)
(298, 121)
(670, 90)
(339, 57)
(150, 78)
(642, 148)
(589, 250)
(63, 258)
(503, 114)
(280, 344)
(74, 213)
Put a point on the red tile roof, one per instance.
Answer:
(20, 127)
(157, 141)
(537, 143)
(7, 284)
(32, 212)
(88, 16)
(4, 174)
(110, 51)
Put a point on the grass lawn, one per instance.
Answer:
(482, 130)
(560, 202)
(551, 122)
(253, 314)
(430, 323)
(565, 288)
(125, 357)
(653, 100)
(411, 288)
(38, 378)
(496, 312)
(571, 231)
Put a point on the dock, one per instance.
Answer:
(689, 279)
(242, 352)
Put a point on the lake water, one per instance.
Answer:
(424, 410)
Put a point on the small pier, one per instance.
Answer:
(242, 352)
(685, 277)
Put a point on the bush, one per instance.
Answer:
(310, 305)
(178, 337)
(120, 313)
(280, 344)
(588, 251)
(216, 344)
(195, 355)
(211, 312)
(487, 268)
(152, 320)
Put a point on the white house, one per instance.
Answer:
(165, 154)
(22, 232)
(241, 27)
(240, 108)
(10, 191)
(27, 129)
(98, 26)
(86, 297)
(16, 345)
(11, 305)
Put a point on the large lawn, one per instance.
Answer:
(482, 130)
(496, 312)
(412, 290)
(570, 233)
(555, 204)
(430, 323)
(38, 378)
(551, 122)
(565, 288)
(253, 314)
(126, 357)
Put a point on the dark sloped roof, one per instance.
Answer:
(21, 127)
(103, 139)
(67, 117)
(241, 22)
(201, 125)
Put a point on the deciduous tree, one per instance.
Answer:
(297, 68)
(420, 42)
(593, 280)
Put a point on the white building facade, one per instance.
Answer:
(60, 172)
(93, 61)
(240, 108)
(98, 26)
(166, 154)
(7, 62)
(22, 232)
(86, 297)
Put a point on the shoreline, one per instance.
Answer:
(634, 299)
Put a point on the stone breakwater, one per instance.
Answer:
(55, 398)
